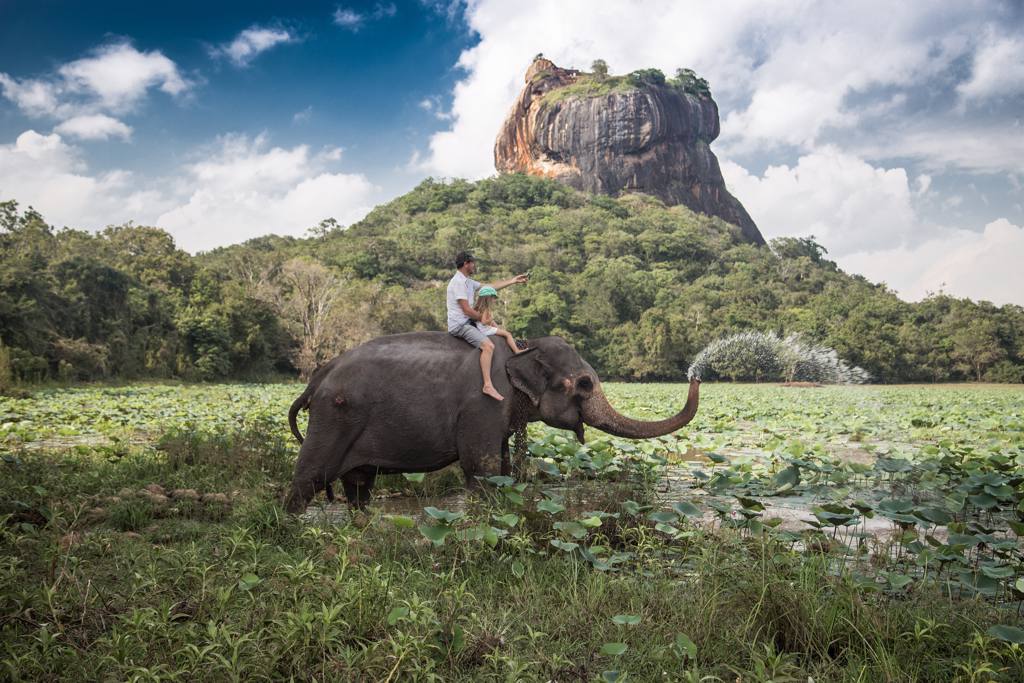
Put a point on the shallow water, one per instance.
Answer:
(675, 484)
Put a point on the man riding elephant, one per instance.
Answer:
(463, 319)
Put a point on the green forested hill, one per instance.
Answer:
(638, 287)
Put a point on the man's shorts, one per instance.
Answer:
(470, 333)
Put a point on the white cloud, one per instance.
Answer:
(234, 190)
(45, 172)
(962, 144)
(244, 188)
(303, 115)
(979, 265)
(449, 9)
(118, 76)
(34, 97)
(846, 203)
(94, 127)
(433, 105)
(997, 70)
(866, 219)
(250, 43)
(384, 10)
(346, 17)
(114, 78)
(330, 154)
(953, 201)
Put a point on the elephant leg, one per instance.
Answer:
(358, 485)
(479, 456)
(320, 460)
(506, 460)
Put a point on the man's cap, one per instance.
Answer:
(487, 291)
(462, 258)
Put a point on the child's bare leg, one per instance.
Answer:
(486, 354)
(510, 340)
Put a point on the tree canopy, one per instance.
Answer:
(638, 287)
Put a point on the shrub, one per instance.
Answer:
(1006, 372)
(647, 77)
(688, 81)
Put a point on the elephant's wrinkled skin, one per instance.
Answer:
(412, 403)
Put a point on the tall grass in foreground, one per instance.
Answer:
(178, 564)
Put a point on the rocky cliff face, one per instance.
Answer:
(650, 138)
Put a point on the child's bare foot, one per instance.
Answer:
(493, 393)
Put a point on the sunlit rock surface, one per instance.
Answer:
(652, 139)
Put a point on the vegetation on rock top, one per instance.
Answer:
(598, 82)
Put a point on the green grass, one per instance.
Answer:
(588, 86)
(99, 580)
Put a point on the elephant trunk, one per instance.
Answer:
(597, 412)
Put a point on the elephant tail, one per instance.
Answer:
(301, 402)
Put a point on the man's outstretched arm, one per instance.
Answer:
(517, 280)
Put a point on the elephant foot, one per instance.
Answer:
(358, 486)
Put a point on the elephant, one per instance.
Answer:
(412, 403)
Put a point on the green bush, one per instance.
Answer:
(1006, 372)
(643, 77)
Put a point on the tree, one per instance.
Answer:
(324, 228)
(795, 247)
(688, 81)
(599, 67)
(639, 288)
(647, 77)
(976, 346)
(206, 347)
(309, 295)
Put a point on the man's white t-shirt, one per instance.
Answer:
(460, 287)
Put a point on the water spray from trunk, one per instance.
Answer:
(765, 356)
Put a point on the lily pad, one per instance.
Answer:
(613, 649)
(1005, 632)
(626, 619)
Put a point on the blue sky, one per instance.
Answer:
(357, 86)
(891, 132)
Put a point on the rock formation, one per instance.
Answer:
(611, 136)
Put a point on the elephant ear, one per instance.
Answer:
(528, 373)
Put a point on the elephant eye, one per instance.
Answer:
(584, 384)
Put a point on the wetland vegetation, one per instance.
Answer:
(854, 533)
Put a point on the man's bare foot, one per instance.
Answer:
(493, 393)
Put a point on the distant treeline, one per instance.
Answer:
(637, 287)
